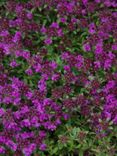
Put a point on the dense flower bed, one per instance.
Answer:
(58, 77)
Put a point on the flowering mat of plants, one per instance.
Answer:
(58, 78)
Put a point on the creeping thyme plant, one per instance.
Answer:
(58, 78)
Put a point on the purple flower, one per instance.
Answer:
(17, 115)
(54, 25)
(29, 15)
(43, 30)
(4, 33)
(110, 98)
(18, 53)
(2, 139)
(65, 55)
(2, 150)
(99, 48)
(11, 145)
(7, 100)
(114, 47)
(24, 110)
(85, 2)
(42, 134)
(92, 28)
(63, 20)
(74, 20)
(32, 147)
(111, 55)
(26, 123)
(43, 147)
(115, 120)
(12, 23)
(34, 121)
(44, 77)
(29, 71)
(18, 8)
(86, 47)
(37, 67)
(27, 151)
(26, 54)
(17, 37)
(42, 85)
(55, 77)
(58, 122)
(109, 85)
(97, 1)
(18, 21)
(70, 6)
(107, 64)
(53, 65)
(108, 115)
(97, 64)
(13, 64)
(67, 68)
(50, 126)
(2, 111)
(47, 101)
(29, 95)
(48, 41)
(103, 35)
(7, 48)
(80, 61)
(26, 135)
(66, 116)
(59, 32)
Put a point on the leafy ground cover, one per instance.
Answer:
(58, 78)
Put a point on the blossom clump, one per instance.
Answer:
(58, 60)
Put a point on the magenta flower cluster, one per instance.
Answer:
(55, 55)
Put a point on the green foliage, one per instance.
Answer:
(77, 141)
